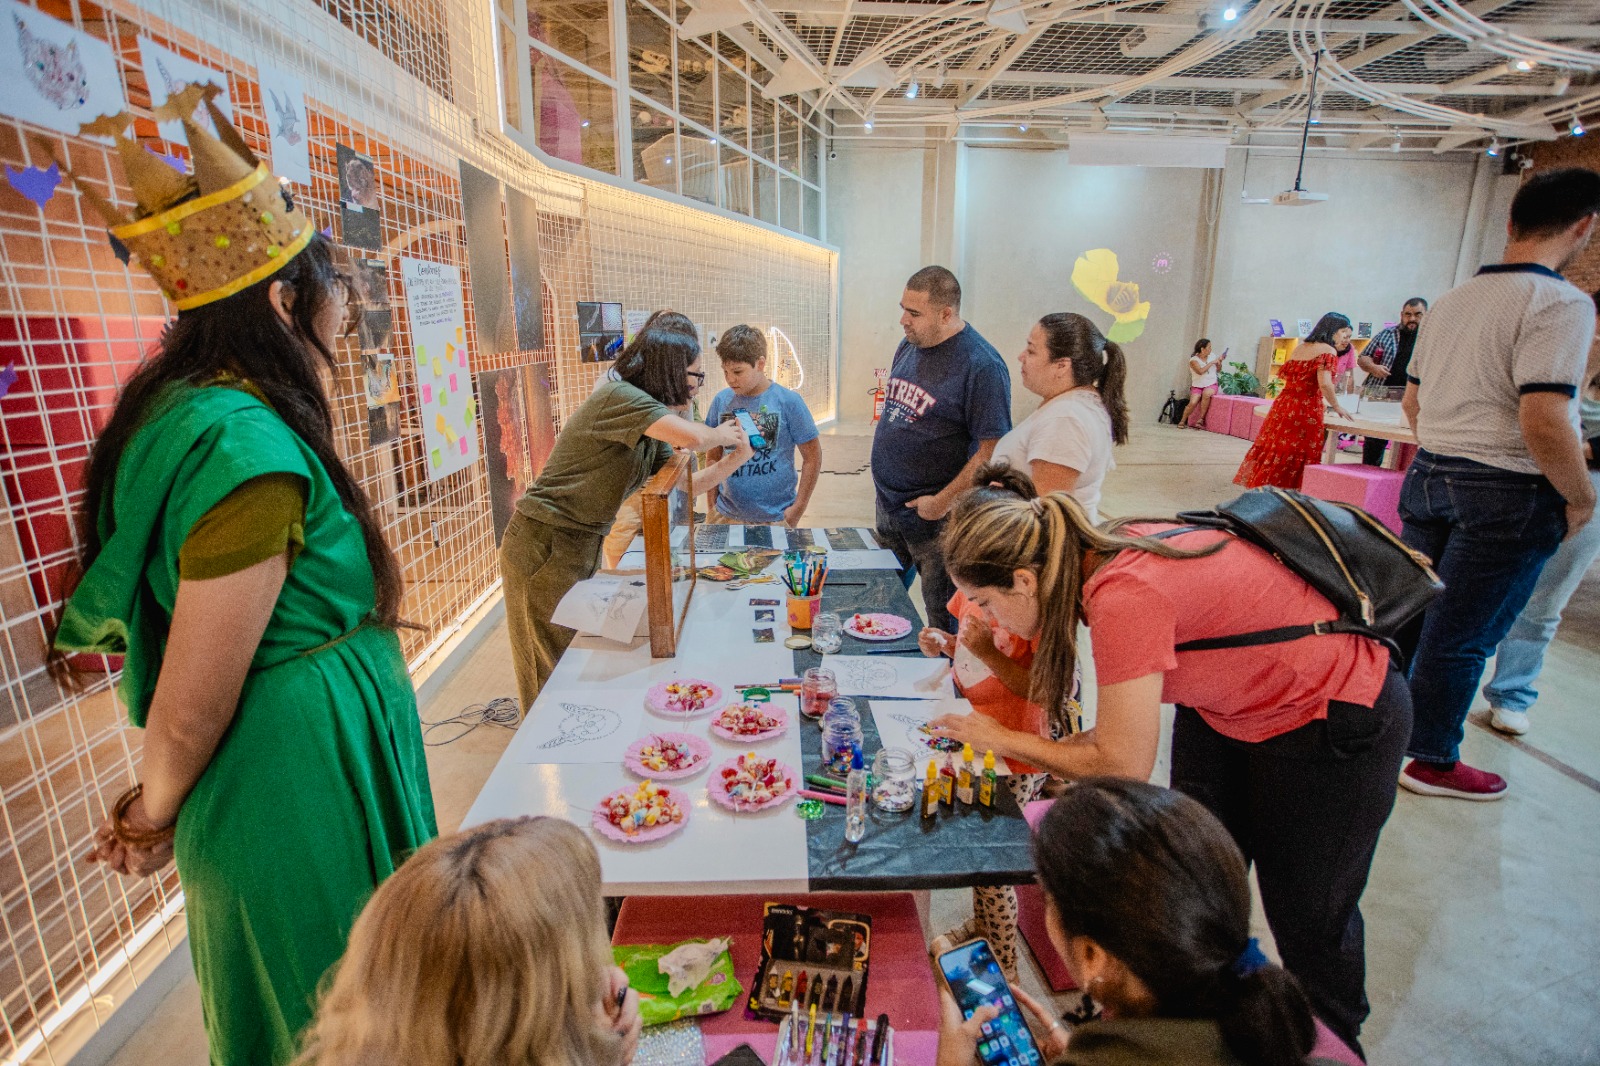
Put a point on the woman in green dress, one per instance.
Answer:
(623, 433)
(234, 561)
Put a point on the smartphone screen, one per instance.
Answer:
(975, 979)
(748, 424)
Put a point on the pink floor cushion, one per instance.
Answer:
(1373, 490)
(1220, 415)
(900, 983)
(1329, 1046)
(1244, 423)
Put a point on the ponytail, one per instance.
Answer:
(1095, 361)
(1112, 380)
(1153, 878)
(1003, 526)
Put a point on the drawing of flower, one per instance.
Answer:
(1094, 275)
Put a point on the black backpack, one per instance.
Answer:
(1377, 583)
(1172, 410)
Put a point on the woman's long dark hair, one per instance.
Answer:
(658, 361)
(1326, 327)
(1152, 877)
(1095, 361)
(244, 336)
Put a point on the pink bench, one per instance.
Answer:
(1373, 490)
(1220, 414)
(900, 984)
(1244, 424)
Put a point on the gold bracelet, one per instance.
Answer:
(136, 838)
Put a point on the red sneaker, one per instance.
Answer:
(1464, 782)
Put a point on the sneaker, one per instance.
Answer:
(1464, 782)
(1513, 722)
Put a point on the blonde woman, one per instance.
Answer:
(487, 948)
(1294, 745)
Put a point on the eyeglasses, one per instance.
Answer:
(698, 375)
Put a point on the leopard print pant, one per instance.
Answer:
(995, 909)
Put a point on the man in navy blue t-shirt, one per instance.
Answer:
(947, 403)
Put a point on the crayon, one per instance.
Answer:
(825, 797)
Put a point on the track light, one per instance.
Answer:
(1576, 129)
(1394, 146)
(867, 125)
(1230, 13)
(1023, 127)
(912, 90)
(1524, 65)
(1494, 146)
(1316, 116)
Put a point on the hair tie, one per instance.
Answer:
(1250, 960)
(1038, 506)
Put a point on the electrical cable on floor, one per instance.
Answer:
(504, 712)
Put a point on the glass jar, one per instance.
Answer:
(817, 688)
(827, 633)
(894, 780)
(841, 736)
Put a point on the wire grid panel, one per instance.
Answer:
(411, 85)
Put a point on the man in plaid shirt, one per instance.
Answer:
(1386, 360)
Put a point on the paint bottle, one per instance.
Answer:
(930, 792)
(987, 783)
(855, 799)
(800, 988)
(786, 990)
(965, 775)
(947, 783)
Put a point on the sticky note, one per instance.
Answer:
(458, 335)
(463, 446)
(427, 394)
(422, 351)
(435, 457)
(452, 383)
(472, 409)
(449, 350)
(438, 367)
(444, 398)
(449, 435)
(439, 424)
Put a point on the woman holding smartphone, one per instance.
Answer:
(1202, 383)
(1148, 903)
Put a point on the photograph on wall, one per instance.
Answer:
(375, 329)
(361, 221)
(1363, 329)
(383, 386)
(54, 76)
(599, 331)
(522, 216)
(169, 73)
(445, 404)
(383, 423)
(372, 282)
(283, 99)
(518, 433)
(483, 218)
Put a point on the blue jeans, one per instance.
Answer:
(1488, 532)
(1520, 657)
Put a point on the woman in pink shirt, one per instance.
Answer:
(1295, 746)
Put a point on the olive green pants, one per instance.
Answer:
(539, 564)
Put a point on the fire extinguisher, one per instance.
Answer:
(878, 394)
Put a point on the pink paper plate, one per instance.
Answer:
(602, 820)
(655, 701)
(754, 738)
(719, 793)
(896, 627)
(697, 745)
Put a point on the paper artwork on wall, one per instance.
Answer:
(1303, 327)
(383, 423)
(632, 322)
(1275, 327)
(375, 329)
(446, 407)
(361, 221)
(483, 218)
(283, 100)
(168, 73)
(527, 291)
(38, 184)
(52, 75)
(383, 385)
(1363, 329)
(518, 434)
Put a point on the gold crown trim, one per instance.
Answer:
(195, 206)
(239, 284)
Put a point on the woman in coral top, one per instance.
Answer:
(1292, 435)
(1296, 746)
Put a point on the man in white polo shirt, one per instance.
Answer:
(1500, 478)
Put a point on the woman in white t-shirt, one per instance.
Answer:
(1065, 446)
(1202, 383)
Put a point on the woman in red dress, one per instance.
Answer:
(1292, 434)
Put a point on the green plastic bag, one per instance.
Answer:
(657, 1006)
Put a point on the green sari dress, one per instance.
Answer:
(319, 788)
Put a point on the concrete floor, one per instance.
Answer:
(1483, 920)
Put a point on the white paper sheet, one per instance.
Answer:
(609, 607)
(892, 677)
(284, 99)
(588, 728)
(55, 76)
(900, 725)
(169, 73)
(873, 559)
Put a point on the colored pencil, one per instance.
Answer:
(825, 797)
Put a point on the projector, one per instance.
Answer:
(1298, 198)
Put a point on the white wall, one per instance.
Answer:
(1392, 228)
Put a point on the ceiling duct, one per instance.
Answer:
(1154, 42)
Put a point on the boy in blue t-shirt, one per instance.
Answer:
(766, 490)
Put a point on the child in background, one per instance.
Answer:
(767, 490)
(992, 672)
